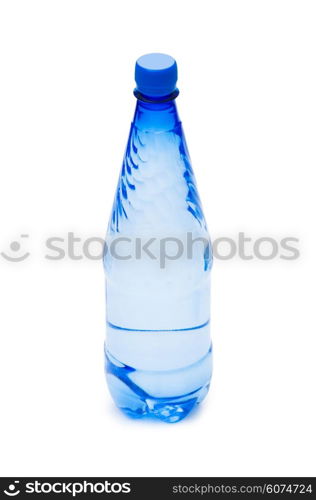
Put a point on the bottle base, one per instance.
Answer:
(136, 402)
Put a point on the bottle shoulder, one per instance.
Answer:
(157, 186)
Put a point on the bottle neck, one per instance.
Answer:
(156, 116)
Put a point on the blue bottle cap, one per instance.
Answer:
(156, 75)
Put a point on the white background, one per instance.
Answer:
(247, 102)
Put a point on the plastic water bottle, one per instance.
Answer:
(157, 262)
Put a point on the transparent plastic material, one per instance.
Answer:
(157, 262)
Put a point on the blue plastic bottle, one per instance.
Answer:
(157, 261)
